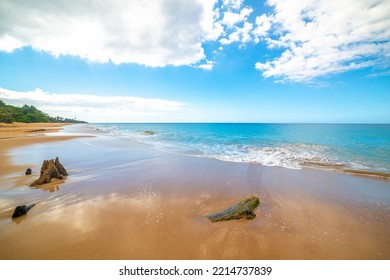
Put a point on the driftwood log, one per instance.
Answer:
(50, 169)
(242, 210)
(21, 210)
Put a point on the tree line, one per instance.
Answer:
(28, 114)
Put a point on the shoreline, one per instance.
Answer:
(23, 134)
(124, 200)
(285, 155)
(342, 170)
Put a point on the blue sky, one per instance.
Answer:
(204, 61)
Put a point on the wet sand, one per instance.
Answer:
(124, 200)
(22, 134)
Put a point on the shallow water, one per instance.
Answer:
(332, 146)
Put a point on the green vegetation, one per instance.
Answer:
(28, 114)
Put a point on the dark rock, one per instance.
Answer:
(243, 209)
(149, 132)
(21, 210)
(37, 130)
(50, 169)
(28, 171)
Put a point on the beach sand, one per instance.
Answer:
(124, 200)
(22, 134)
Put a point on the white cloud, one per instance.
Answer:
(320, 38)
(237, 28)
(231, 18)
(313, 38)
(207, 66)
(241, 34)
(9, 43)
(233, 37)
(245, 32)
(151, 33)
(209, 21)
(91, 107)
(263, 25)
(234, 4)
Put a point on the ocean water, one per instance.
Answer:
(333, 146)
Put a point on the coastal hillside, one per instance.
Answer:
(28, 114)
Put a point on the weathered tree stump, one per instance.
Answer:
(50, 169)
(21, 210)
(60, 167)
(241, 210)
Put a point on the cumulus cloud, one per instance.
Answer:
(263, 25)
(232, 18)
(91, 107)
(241, 34)
(207, 66)
(320, 38)
(233, 4)
(308, 38)
(151, 33)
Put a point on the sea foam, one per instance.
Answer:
(290, 146)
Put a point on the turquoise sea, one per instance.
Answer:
(364, 147)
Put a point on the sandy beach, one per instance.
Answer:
(125, 200)
(22, 134)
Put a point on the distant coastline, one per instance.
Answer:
(29, 114)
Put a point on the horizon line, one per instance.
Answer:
(308, 123)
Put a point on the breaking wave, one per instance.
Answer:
(246, 147)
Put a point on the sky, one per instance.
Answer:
(275, 61)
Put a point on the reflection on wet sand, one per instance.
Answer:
(148, 222)
(51, 188)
